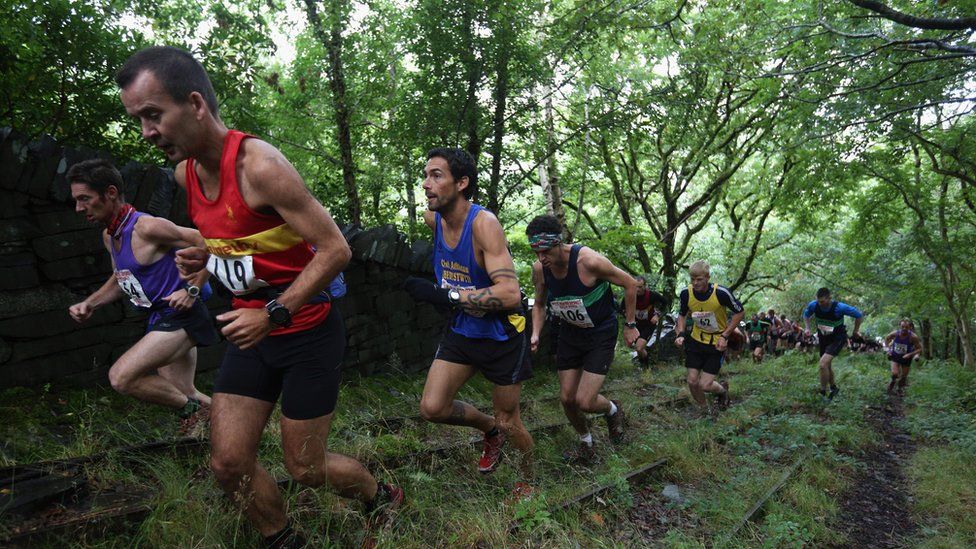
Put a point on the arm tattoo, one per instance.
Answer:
(502, 273)
(483, 300)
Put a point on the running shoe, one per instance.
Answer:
(522, 491)
(833, 392)
(584, 454)
(615, 424)
(196, 424)
(491, 455)
(723, 399)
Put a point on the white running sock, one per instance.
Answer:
(613, 409)
(587, 438)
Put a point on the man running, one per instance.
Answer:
(579, 279)
(276, 248)
(160, 367)
(903, 347)
(646, 316)
(829, 316)
(476, 277)
(758, 330)
(707, 305)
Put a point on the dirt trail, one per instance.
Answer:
(876, 509)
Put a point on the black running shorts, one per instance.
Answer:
(303, 368)
(501, 362)
(196, 322)
(699, 356)
(833, 344)
(589, 350)
(645, 331)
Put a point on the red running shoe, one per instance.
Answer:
(491, 456)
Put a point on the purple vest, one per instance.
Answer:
(901, 345)
(145, 285)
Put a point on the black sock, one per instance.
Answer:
(287, 538)
(493, 432)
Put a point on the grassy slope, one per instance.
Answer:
(721, 465)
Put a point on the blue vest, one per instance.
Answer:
(458, 268)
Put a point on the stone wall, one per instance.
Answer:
(50, 258)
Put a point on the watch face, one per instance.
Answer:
(194, 291)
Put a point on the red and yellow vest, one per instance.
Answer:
(249, 250)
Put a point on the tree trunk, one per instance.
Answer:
(332, 41)
(548, 171)
(409, 181)
(498, 122)
(927, 338)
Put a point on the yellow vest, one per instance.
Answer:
(709, 317)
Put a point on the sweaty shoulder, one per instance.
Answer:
(180, 173)
(262, 163)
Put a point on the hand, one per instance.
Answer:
(679, 341)
(806, 333)
(722, 343)
(191, 260)
(534, 342)
(654, 319)
(422, 289)
(246, 327)
(180, 300)
(80, 312)
(630, 336)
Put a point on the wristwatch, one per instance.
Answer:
(454, 296)
(278, 314)
(630, 324)
(193, 291)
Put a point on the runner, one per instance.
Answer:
(476, 277)
(903, 347)
(143, 252)
(647, 317)
(758, 331)
(832, 333)
(579, 280)
(260, 224)
(786, 333)
(707, 305)
(737, 341)
(774, 330)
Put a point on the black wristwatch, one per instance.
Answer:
(192, 291)
(630, 324)
(278, 314)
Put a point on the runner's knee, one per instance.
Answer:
(230, 468)
(121, 379)
(435, 410)
(305, 472)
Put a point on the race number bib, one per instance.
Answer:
(899, 348)
(825, 329)
(572, 311)
(705, 320)
(641, 314)
(130, 285)
(755, 336)
(235, 273)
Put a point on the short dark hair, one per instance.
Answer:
(823, 292)
(543, 224)
(97, 173)
(461, 164)
(177, 70)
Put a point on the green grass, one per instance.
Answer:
(722, 464)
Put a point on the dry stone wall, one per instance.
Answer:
(50, 258)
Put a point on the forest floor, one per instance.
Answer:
(781, 467)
